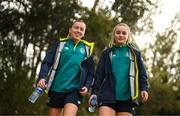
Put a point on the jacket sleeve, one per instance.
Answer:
(47, 62)
(99, 75)
(89, 72)
(143, 77)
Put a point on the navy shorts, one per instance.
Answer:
(59, 99)
(120, 106)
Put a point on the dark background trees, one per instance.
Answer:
(28, 27)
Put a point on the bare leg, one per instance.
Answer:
(55, 111)
(123, 114)
(106, 111)
(70, 109)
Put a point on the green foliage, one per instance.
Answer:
(130, 11)
(162, 99)
(164, 77)
(162, 60)
(99, 30)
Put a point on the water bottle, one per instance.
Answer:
(36, 93)
(93, 104)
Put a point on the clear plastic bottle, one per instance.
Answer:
(36, 93)
(93, 104)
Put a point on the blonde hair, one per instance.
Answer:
(114, 30)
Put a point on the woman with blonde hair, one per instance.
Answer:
(121, 77)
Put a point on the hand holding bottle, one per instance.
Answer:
(42, 83)
(38, 91)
